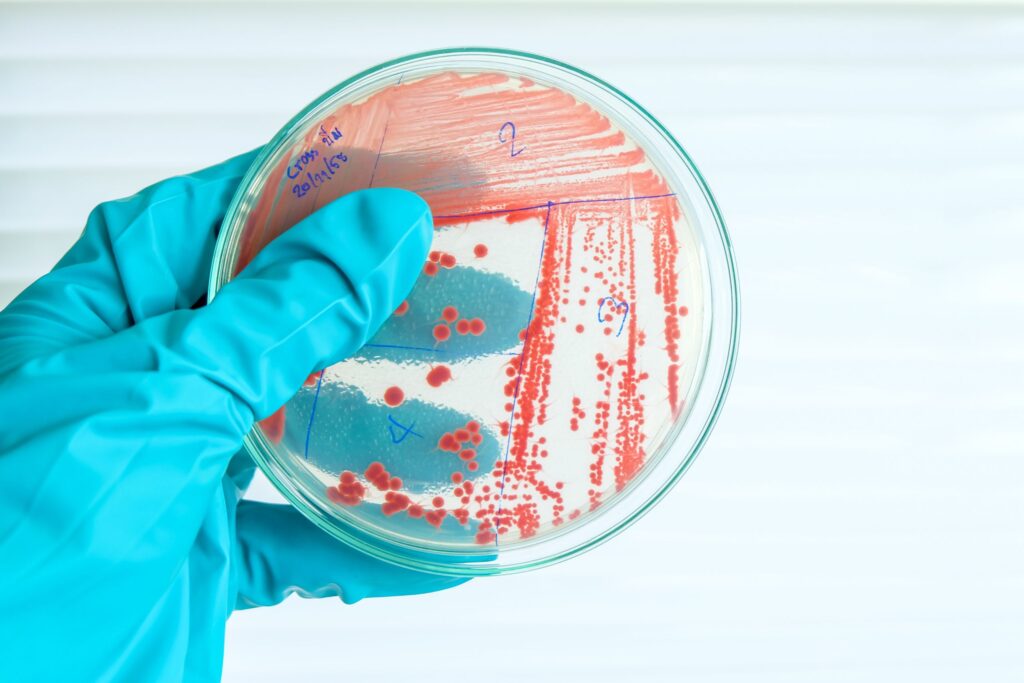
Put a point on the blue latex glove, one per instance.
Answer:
(124, 545)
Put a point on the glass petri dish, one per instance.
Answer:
(567, 348)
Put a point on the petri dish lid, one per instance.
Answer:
(567, 348)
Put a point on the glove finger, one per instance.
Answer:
(146, 420)
(312, 297)
(138, 257)
(279, 552)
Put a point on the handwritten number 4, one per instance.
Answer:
(511, 139)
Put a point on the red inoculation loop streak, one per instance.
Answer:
(629, 438)
(630, 353)
(666, 250)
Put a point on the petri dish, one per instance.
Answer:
(567, 347)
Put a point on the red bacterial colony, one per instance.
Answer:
(394, 396)
(350, 491)
(377, 475)
(462, 442)
(273, 426)
(449, 314)
(480, 250)
(402, 309)
(442, 332)
(438, 375)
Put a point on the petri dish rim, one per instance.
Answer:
(723, 306)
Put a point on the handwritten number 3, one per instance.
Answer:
(513, 151)
(617, 305)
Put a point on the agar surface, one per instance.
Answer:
(526, 182)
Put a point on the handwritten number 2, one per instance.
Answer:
(511, 140)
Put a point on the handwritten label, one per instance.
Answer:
(312, 169)
(613, 305)
(511, 128)
(329, 137)
(397, 437)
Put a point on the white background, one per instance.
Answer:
(857, 515)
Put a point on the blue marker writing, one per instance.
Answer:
(615, 304)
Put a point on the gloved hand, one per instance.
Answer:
(124, 544)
